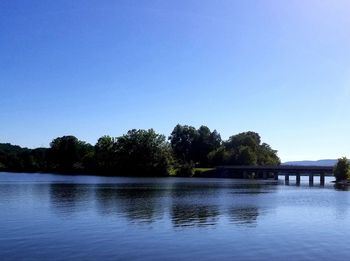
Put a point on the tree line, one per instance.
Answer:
(141, 153)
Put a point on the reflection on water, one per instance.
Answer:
(187, 204)
(183, 215)
(66, 199)
(136, 203)
(70, 218)
(341, 187)
(244, 216)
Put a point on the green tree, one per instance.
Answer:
(246, 149)
(40, 159)
(143, 153)
(182, 141)
(205, 142)
(192, 146)
(67, 153)
(105, 153)
(218, 157)
(10, 156)
(246, 156)
(342, 169)
(267, 156)
(250, 139)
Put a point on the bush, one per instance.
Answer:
(342, 169)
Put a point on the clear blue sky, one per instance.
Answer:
(89, 68)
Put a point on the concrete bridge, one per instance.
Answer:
(265, 172)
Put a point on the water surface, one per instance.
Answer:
(53, 217)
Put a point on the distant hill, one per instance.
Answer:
(326, 162)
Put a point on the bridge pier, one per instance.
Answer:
(322, 175)
(297, 177)
(286, 177)
(275, 175)
(311, 179)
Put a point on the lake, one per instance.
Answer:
(53, 217)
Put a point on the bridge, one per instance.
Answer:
(266, 172)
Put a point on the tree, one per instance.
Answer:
(105, 153)
(218, 157)
(142, 153)
(205, 142)
(246, 156)
(15, 158)
(10, 156)
(67, 153)
(40, 159)
(250, 139)
(342, 169)
(182, 141)
(192, 146)
(246, 149)
(267, 156)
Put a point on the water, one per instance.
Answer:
(52, 217)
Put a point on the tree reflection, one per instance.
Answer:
(184, 215)
(137, 204)
(185, 205)
(69, 198)
(244, 216)
(341, 187)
